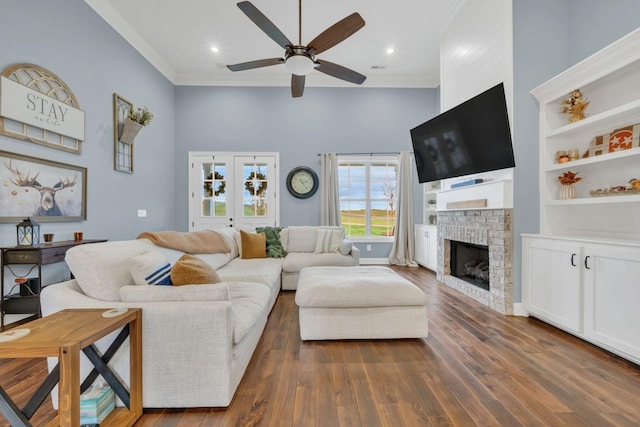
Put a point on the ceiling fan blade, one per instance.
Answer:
(297, 85)
(255, 64)
(336, 33)
(264, 23)
(340, 72)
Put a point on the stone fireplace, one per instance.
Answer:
(478, 228)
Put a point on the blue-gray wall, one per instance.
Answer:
(549, 36)
(70, 39)
(254, 119)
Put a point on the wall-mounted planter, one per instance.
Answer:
(130, 130)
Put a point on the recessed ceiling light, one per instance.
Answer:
(214, 49)
(390, 51)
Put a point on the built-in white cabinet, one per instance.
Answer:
(581, 273)
(586, 287)
(611, 297)
(426, 249)
(552, 281)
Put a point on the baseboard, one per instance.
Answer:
(519, 310)
(372, 261)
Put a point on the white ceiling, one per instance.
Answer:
(176, 37)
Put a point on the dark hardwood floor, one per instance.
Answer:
(476, 367)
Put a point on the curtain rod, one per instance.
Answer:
(388, 153)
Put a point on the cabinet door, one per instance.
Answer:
(612, 294)
(551, 281)
(432, 247)
(421, 244)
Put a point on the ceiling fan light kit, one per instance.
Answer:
(301, 60)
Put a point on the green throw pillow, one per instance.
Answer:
(274, 246)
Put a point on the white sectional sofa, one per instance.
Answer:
(197, 339)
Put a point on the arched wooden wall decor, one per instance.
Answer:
(37, 106)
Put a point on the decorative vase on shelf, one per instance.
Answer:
(130, 130)
(567, 192)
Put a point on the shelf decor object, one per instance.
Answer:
(42, 189)
(28, 233)
(567, 179)
(37, 106)
(575, 106)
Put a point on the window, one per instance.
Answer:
(368, 195)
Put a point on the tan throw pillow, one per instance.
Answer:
(191, 270)
(254, 245)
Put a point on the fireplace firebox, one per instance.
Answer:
(470, 263)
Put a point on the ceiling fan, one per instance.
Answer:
(300, 59)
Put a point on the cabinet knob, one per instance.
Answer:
(586, 262)
(573, 257)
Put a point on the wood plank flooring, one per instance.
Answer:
(476, 367)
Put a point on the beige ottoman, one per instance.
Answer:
(359, 303)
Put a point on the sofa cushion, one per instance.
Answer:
(345, 247)
(300, 239)
(217, 292)
(260, 270)
(254, 245)
(101, 269)
(151, 268)
(328, 240)
(274, 246)
(248, 303)
(296, 261)
(190, 270)
(231, 236)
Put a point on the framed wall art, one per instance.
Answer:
(122, 152)
(43, 190)
(37, 106)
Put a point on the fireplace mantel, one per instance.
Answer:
(498, 194)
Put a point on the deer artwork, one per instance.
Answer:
(47, 205)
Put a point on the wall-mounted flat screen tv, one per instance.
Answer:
(470, 138)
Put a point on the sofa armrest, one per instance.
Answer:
(139, 293)
(355, 254)
(190, 340)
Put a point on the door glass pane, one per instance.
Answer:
(255, 176)
(213, 195)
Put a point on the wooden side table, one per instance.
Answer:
(36, 256)
(63, 335)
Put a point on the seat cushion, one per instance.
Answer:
(249, 303)
(101, 269)
(260, 270)
(371, 286)
(296, 261)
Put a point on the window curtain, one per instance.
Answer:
(329, 192)
(402, 251)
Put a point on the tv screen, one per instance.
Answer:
(470, 138)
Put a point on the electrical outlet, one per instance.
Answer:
(368, 248)
(142, 213)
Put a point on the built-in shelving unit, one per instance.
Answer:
(581, 272)
(430, 191)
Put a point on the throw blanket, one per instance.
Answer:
(194, 242)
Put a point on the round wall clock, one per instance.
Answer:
(302, 182)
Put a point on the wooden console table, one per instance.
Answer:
(63, 335)
(37, 256)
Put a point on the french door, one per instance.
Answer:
(233, 190)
